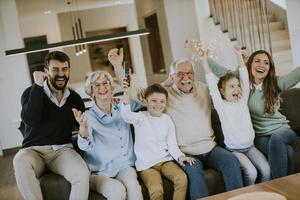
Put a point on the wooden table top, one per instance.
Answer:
(288, 187)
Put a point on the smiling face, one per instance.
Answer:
(231, 90)
(260, 67)
(156, 104)
(184, 76)
(58, 74)
(102, 89)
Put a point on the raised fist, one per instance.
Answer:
(39, 77)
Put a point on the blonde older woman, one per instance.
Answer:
(106, 139)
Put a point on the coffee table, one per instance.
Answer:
(288, 186)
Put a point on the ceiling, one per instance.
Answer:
(36, 7)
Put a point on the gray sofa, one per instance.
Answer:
(55, 187)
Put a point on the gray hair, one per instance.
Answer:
(175, 63)
(92, 77)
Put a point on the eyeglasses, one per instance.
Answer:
(181, 74)
(97, 85)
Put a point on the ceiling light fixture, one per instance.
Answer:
(82, 41)
(76, 26)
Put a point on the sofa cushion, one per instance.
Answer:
(56, 187)
(290, 107)
(212, 177)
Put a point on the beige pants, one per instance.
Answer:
(124, 184)
(170, 170)
(30, 163)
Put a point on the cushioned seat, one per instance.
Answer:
(55, 187)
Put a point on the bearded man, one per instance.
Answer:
(48, 121)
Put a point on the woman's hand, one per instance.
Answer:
(126, 87)
(115, 57)
(185, 159)
(83, 125)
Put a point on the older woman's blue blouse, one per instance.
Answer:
(109, 147)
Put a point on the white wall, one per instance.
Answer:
(293, 8)
(181, 22)
(209, 31)
(281, 3)
(102, 19)
(14, 76)
(144, 9)
(40, 24)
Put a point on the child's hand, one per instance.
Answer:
(79, 116)
(239, 55)
(203, 54)
(245, 56)
(115, 57)
(237, 50)
(185, 159)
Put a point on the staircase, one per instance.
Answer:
(281, 47)
(251, 24)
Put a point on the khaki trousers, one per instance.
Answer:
(123, 186)
(30, 163)
(170, 170)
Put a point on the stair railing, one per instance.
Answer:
(246, 21)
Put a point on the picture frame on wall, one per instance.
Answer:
(98, 51)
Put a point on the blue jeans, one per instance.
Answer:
(251, 159)
(221, 160)
(279, 149)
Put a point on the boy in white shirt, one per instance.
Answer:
(155, 144)
(230, 98)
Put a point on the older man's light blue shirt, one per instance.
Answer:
(109, 147)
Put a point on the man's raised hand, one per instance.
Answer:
(39, 77)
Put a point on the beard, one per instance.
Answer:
(59, 86)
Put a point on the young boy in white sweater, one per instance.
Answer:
(230, 99)
(155, 144)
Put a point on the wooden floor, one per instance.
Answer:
(8, 186)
